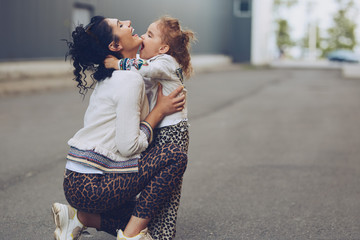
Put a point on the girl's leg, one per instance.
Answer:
(163, 225)
(135, 226)
(164, 166)
(172, 162)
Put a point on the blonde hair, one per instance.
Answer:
(179, 42)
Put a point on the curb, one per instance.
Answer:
(10, 71)
(32, 76)
(349, 70)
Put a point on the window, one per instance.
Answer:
(242, 8)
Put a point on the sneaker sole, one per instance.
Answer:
(60, 213)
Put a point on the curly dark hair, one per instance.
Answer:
(88, 50)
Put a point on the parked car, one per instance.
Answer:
(343, 55)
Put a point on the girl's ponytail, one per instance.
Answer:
(179, 42)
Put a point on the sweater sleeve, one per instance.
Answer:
(160, 68)
(130, 139)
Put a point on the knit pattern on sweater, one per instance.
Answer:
(101, 162)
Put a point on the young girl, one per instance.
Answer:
(164, 58)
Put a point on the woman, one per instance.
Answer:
(165, 58)
(108, 163)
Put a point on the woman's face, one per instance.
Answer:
(152, 42)
(128, 41)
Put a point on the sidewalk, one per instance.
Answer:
(349, 70)
(19, 77)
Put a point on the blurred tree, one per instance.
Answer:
(283, 38)
(342, 33)
(286, 3)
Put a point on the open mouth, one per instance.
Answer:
(142, 46)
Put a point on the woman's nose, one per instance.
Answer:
(128, 23)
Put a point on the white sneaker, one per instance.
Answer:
(67, 224)
(143, 235)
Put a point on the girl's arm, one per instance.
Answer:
(161, 68)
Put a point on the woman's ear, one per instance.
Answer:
(164, 49)
(115, 47)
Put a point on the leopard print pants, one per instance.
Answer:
(175, 134)
(112, 195)
(163, 225)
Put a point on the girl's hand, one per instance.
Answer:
(172, 103)
(111, 62)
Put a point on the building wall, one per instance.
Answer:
(241, 30)
(34, 28)
(261, 32)
(208, 18)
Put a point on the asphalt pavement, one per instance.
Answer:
(274, 154)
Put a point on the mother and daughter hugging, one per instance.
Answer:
(125, 166)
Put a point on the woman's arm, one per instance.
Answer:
(132, 138)
(166, 105)
(129, 98)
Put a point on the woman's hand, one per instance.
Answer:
(166, 105)
(111, 62)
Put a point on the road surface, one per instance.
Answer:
(274, 154)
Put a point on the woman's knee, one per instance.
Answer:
(177, 156)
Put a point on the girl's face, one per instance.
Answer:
(128, 41)
(152, 42)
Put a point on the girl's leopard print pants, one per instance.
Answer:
(163, 225)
